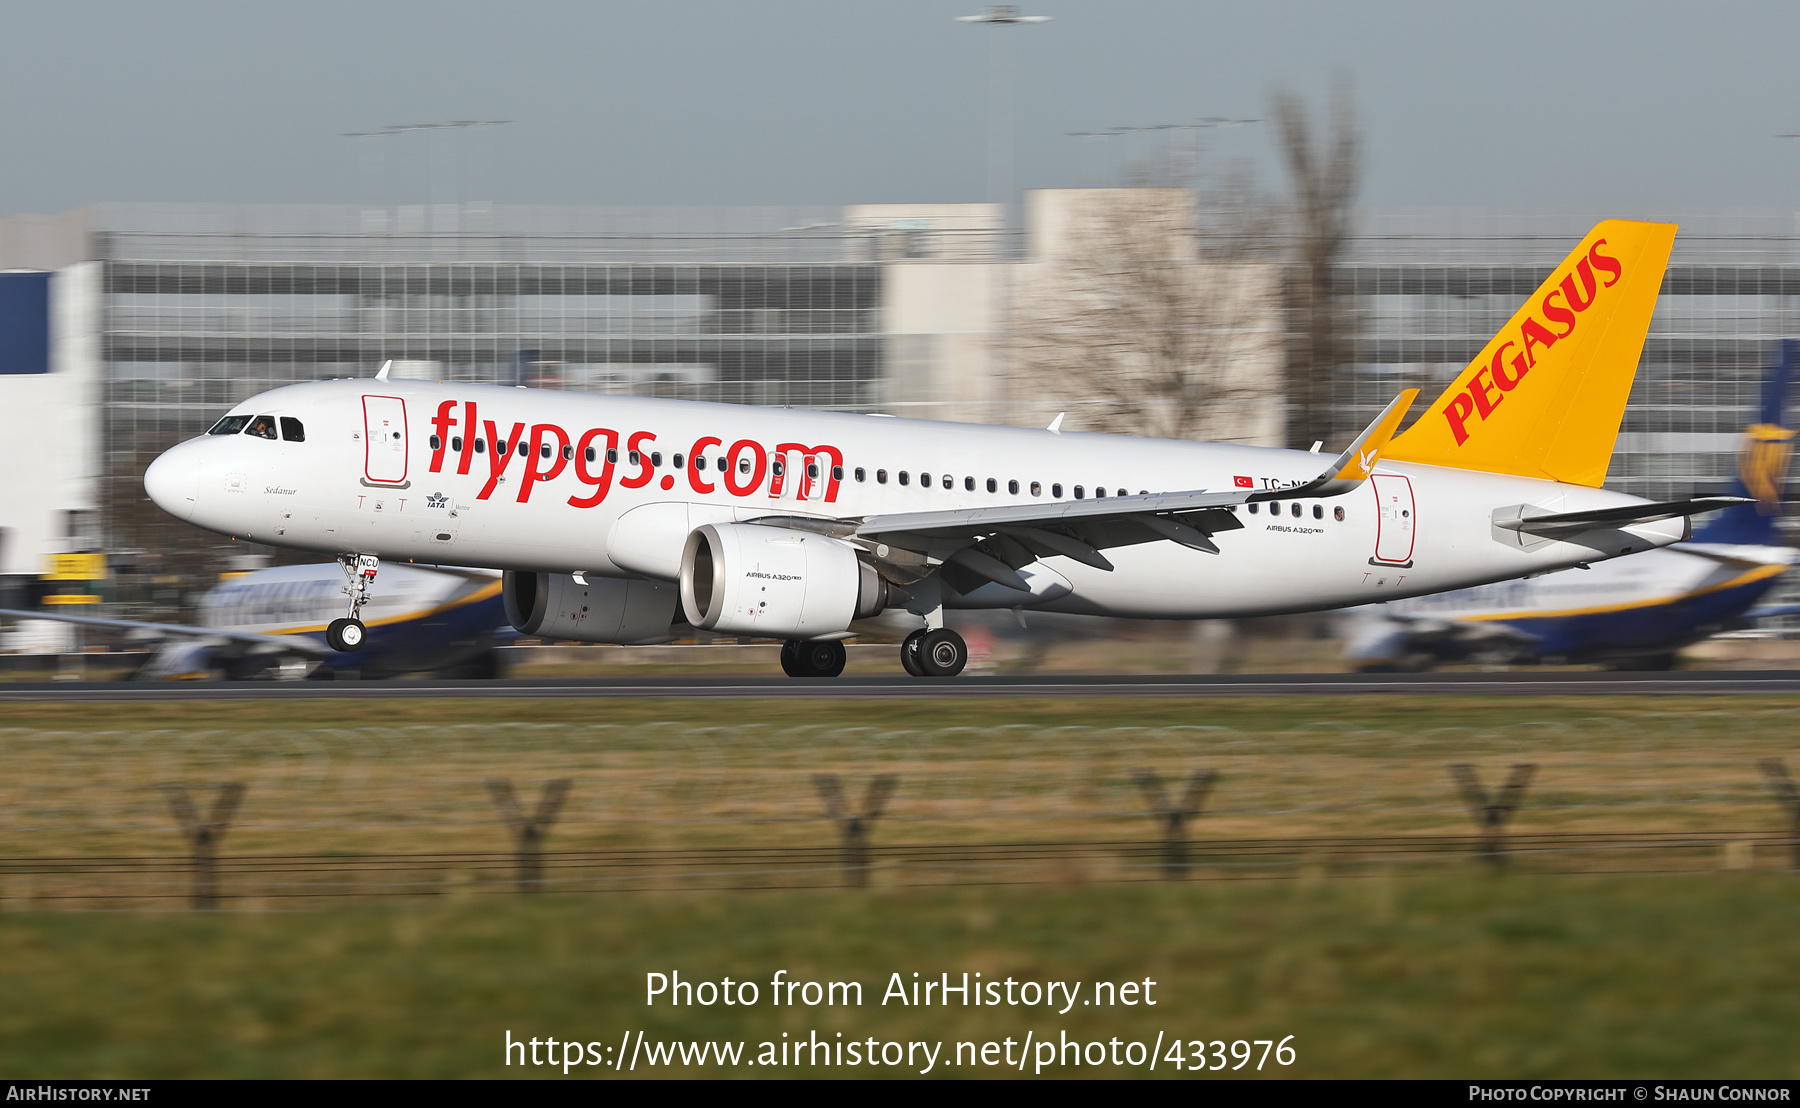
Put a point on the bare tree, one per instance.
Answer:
(1130, 329)
(1324, 173)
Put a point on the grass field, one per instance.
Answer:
(1452, 971)
(1432, 977)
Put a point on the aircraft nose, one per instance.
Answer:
(173, 480)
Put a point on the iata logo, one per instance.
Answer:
(1490, 384)
(436, 500)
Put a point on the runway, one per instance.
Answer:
(1697, 683)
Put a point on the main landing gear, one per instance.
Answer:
(359, 571)
(934, 652)
(812, 659)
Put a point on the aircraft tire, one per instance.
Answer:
(909, 654)
(827, 658)
(791, 663)
(812, 659)
(346, 634)
(943, 653)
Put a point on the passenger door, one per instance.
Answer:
(1396, 520)
(384, 441)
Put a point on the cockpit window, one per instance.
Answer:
(230, 425)
(263, 427)
(291, 430)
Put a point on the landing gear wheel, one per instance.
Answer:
(346, 634)
(812, 659)
(825, 659)
(943, 653)
(909, 654)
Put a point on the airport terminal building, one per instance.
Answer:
(127, 327)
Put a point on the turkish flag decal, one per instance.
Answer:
(1242, 482)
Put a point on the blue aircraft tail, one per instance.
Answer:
(1762, 465)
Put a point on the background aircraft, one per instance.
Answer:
(1633, 612)
(272, 623)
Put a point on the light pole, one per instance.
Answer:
(1001, 17)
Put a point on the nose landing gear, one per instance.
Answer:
(349, 633)
(812, 659)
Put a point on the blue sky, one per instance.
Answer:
(1646, 106)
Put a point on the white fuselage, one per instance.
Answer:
(368, 478)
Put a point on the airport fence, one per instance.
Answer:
(270, 818)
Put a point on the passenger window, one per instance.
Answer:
(481, 446)
(1318, 511)
(903, 477)
(1056, 490)
(1252, 508)
(1012, 487)
(1036, 489)
(1274, 507)
(656, 459)
(500, 446)
(1338, 514)
(776, 467)
(861, 473)
(743, 463)
(544, 450)
(993, 485)
(1294, 509)
(524, 449)
(230, 425)
(699, 461)
(292, 431)
(678, 461)
(969, 485)
(881, 477)
(591, 454)
(837, 473)
(612, 457)
(435, 442)
(812, 470)
(263, 427)
(568, 453)
(1098, 493)
(924, 480)
(456, 445)
(1080, 492)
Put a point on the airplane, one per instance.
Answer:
(613, 518)
(271, 623)
(1632, 612)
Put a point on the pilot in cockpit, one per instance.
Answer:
(263, 427)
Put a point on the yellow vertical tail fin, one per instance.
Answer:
(1545, 397)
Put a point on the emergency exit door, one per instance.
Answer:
(1396, 521)
(384, 440)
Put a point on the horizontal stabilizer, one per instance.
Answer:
(1564, 523)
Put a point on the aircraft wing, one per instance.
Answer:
(1014, 535)
(296, 643)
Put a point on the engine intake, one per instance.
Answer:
(556, 606)
(746, 579)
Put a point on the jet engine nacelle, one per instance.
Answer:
(596, 609)
(745, 579)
